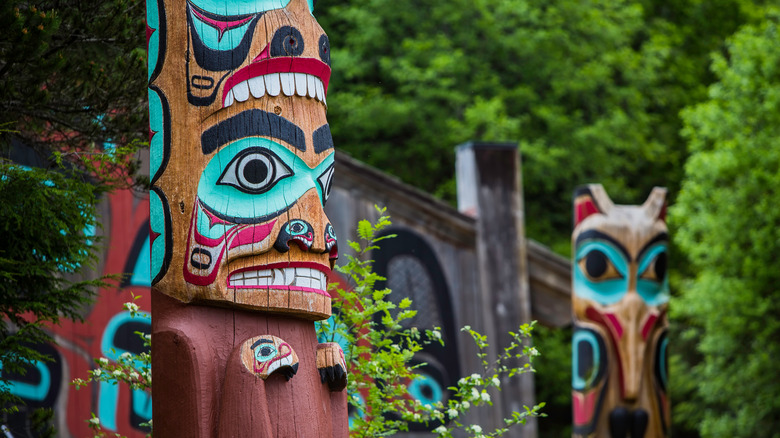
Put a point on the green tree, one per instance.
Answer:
(591, 90)
(73, 82)
(43, 218)
(727, 225)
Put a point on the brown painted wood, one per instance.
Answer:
(620, 303)
(241, 228)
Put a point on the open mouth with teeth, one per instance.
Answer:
(306, 277)
(286, 75)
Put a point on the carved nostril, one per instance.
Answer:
(298, 231)
(287, 41)
(331, 242)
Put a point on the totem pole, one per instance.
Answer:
(241, 166)
(620, 299)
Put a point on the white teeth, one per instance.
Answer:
(228, 99)
(298, 277)
(312, 85)
(300, 84)
(320, 92)
(290, 84)
(241, 91)
(257, 87)
(272, 86)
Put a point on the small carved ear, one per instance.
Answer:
(655, 205)
(589, 200)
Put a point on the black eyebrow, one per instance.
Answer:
(595, 234)
(322, 139)
(253, 122)
(261, 341)
(660, 237)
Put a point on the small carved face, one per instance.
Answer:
(242, 153)
(263, 355)
(620, 298)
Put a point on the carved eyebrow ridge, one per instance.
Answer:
(253, 122)
(593, 234)
(322, 139)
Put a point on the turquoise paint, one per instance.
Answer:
(326, 332)
(654, 293)
(35, 392)
(153, 48)
(420, 382)
(203, 223)
(142, 274)
(157, 225)
(211, 37)
(229, 201)
(142, 403)
(156, 146)
(241, 7)
(577, 382)
(109, 393)
(604, 292)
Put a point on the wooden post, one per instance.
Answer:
(241, 166)
(490, 189)
(620, 299)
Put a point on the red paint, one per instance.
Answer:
(322, 268)
(648, 325)
(266, 53)
(583, 209)
(597, 317)
(584, 406)
(252, 234)
(222, 26)
(149, 32)
(285, 64)
(662, 214)
(616, 324)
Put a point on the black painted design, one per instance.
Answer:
(253, 122)
(162, 40)
(166, 128)
(202, 82)
(287, 41)
(335, 377)
(298, 231)
(220, 60)
(168, 236)
(204, 255)
(324, 49)
(322, 139)
(412, 250)
(619, 423)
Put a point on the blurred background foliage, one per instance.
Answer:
(631, 94)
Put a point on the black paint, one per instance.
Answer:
(287, 41)
(324, 46)
(253, 122)
(322, 138)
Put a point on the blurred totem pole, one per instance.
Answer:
(620, 301)
(241, 166)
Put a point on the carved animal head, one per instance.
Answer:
(620, 299)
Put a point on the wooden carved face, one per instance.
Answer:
(620, 299)
(241, 154)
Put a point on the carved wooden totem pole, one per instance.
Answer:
(241, 166)
(620, 299)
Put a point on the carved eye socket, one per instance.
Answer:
(265, 352)
(325, 181)
(255, 171)
(297, 227)
(656, 271)
(287, 41)
(597, 266)
(325, 49)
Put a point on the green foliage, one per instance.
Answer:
(72, 77)
(133, 370)
(45, 217)
(380, 350)
(553, 380)
(591, 90)
(727, 219)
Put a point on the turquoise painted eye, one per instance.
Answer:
(600, 272)
(255, 171)
(265, 352)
